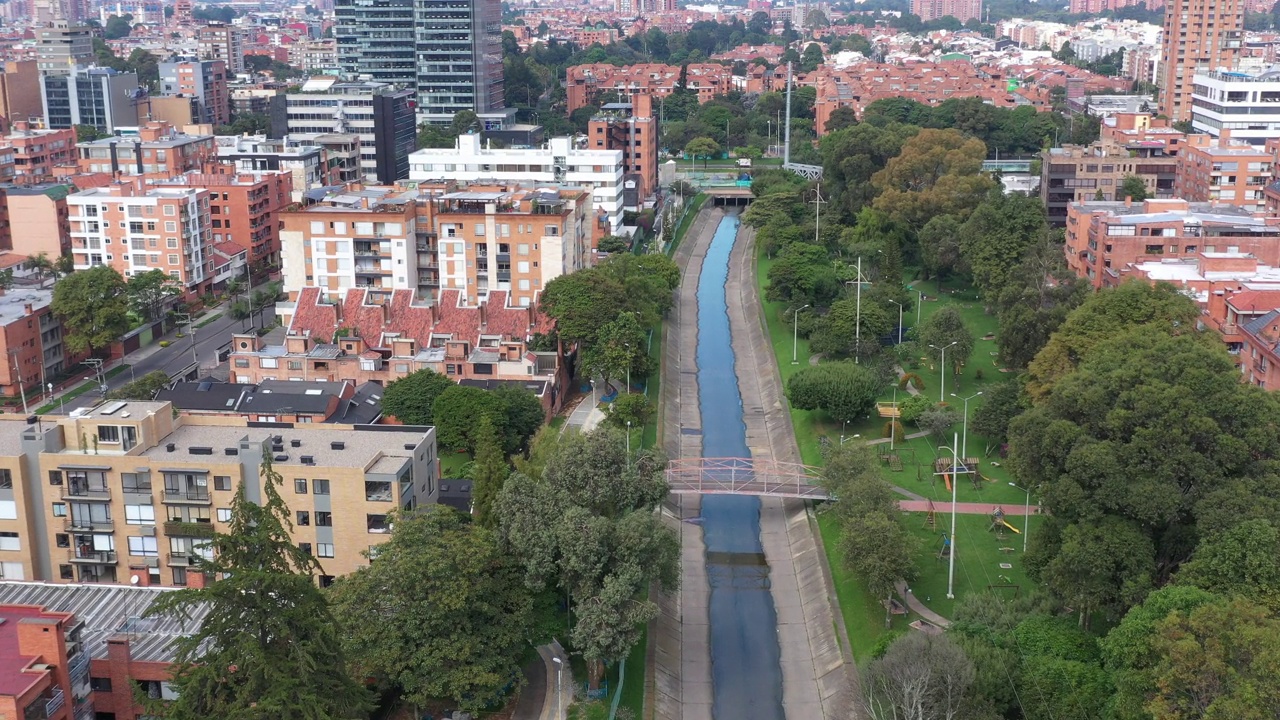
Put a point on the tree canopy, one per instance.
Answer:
(94, 307)
(409, 399)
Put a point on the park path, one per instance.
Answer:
(966, 508)
(919, 608)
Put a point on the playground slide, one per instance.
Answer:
(1006, 524)
(946, 480)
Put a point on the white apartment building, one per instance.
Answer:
(1246, 104)
(560, 161)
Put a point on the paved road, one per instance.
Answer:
(172, 359)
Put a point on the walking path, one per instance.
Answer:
(920, 608)
(817, 670)
(967, 508)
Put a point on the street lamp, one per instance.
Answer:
(1026, 514)
(895, 302)
(964, 444)
(628, 443)
(795, 335)
(559, 671)
(942, 391)
(955, 483)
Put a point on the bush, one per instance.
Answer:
(843, 390)
(894, 429)
(909, 410)
(911, 379)
(634, 408)
(180, 335)
(938, 420)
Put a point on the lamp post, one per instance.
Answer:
(893, 421)
(964, 443)
(955, 483)
(559, 671)
(895, 302)
(628, 443)
(795, 336)
(1026, 514)
(628, 346)
(18, 376)
(942, 386)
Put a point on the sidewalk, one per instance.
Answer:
(587, 414)
(967, 508)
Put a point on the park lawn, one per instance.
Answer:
(977, 562)
(917, 456)
(633, 679)
(863, 614)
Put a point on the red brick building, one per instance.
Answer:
(38, 151)
(585, 83)
(157, 152)
(244, 207)
(76, 652)
(1220, 170)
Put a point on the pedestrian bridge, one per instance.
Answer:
(744, 476)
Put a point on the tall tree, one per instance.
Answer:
(1040, 295)
(488, 473)
(442, 612)
(941, 329)
(409, 399)
(921, 677)
(1133, 188)
(587, 527)
(940, 247)
(937, 172)
(844, 390)
(150, 291)
(996, 236)
(94, 306)
(619, 347)
(1241, 561)
(702, 147)
(268, 645)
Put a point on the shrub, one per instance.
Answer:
(889, 430)
(911, 379)
(909, 410)
(978, 374)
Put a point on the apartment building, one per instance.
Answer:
(136, 230)
(305, 164)
(314, 55)
(585, 83)
(205, 82)
(219, 41)
(62, 46)
(133, 488)
(962, 10)
(1103, 238)
(101, 97)
(37, 151)
(1198, 35)
(254, 98)
(37, 220)
(631, 127)
(80, 651)
(244, 207)
(1223, 170)
(19, 92)
(156, 151)
(561, 160)
(381, 115)
(475, 240)
(390, 336)
(1245, 103)
(30, 343)
(1080, 173)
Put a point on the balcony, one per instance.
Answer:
(192, 496)
(183, 559)
(55, 702)
(85, 491)
(87, 555)
(73, 526)
(177, 528)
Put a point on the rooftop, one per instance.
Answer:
(14, 676)
(362, 447)
(104, 611)
(13, 304)
(168, 141)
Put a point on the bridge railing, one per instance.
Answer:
(744, 476)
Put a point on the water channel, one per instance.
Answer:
(745, 659)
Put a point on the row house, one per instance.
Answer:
(1104, 238)
(372, 337)
(585, 83)
(137, 229)
(134, 489)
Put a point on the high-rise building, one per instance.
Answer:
(203, 80)
(632, 128)
(1198, 35)
(962, 10)
(19, 93)
(101, 97)
(448, 51)
(61, 46)
(223, 42)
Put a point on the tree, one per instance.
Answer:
(613, 244)
(1240, 562)
(40, 264)
(619, 350)
(921, 677)
(937, 421)
(941, 329)
(457, 411)
(811, 58)
(1040, 295)
(268, 645)
(995, 237)
(940, 247)
(587, 527)
(150, 291)
(632, 410)
(1001, 403)
(837, 333)
(94, 308)
(1134, 188)
(702, 147)
(442, 612)
(802, 275)
(144, 388)
(118, 26)
(937, 172)
(410, 398)
(522, 414)
(89, 133)
(581, 303)
(488, 473)
(841, 118)
(843, 390)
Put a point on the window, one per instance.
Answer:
(143, 547)
(326, 581)
(324, 550)
(324, 519)
(179, 579)
(8, 510)
(62, 540)
(9, 541)
(136, 482)
(304, 518)
(59, 509)
(320, 487)
(377, 490)
(224, 515)
(242, 362)
(173, 259)
(65, 572)
(221, 482)
(295, 364)
(268, 363)
(6, 479)
(55, 477)
(376, 523)
(300, 486)
(139, 514)
(305, 547)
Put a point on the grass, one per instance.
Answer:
(653, 390)
(452, 463)
(208, 320)
(633, 682)
(861, 611)
(88, 386)
(978, 559)
(695, 205)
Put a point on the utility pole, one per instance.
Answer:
(817, 215)
(17, 375)
(786, 143)
(955, 483)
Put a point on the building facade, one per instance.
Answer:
(1198, 35)
(1080, 173)
(31, 340)
(449, 53)
(1221, 170)
(37, 151)
(219, 41)
(205, 81)
(632, 128)
(962, 10)
(305, 164)
(61, 47)
(155, 151)
(101, 97)
(132, 488)
(1245, 105)
(244, 208)
(559, 161)
(19, 93)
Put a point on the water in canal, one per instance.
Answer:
(745, 671)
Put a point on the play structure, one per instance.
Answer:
(998, 523)
(931, 515)
(945, 551)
